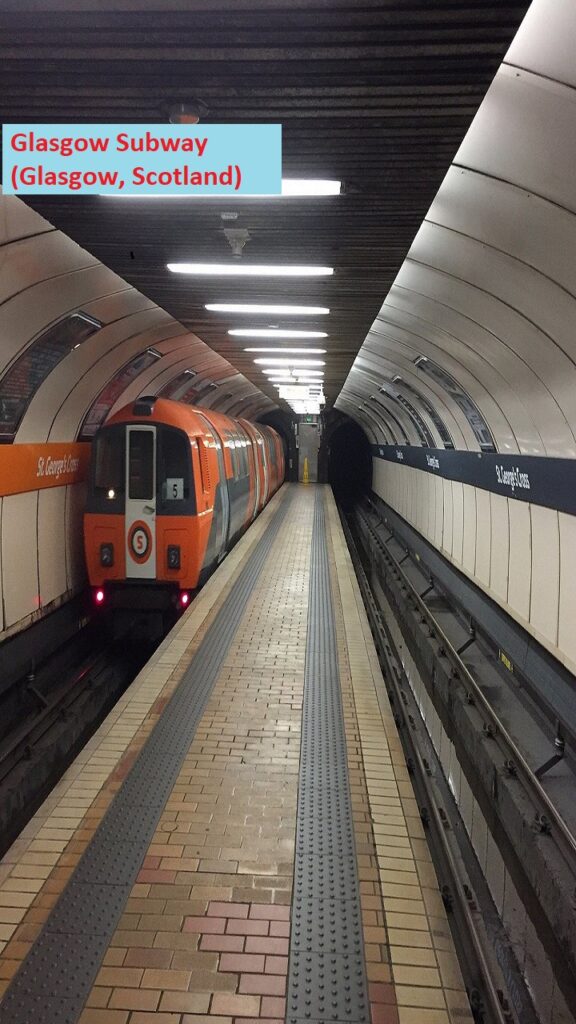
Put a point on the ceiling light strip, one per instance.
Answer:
(290, 187)
(274, 332)
(291, 351)
(290, 362)
(250, 269)
(278, 310)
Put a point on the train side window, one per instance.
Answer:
(244, 443)
(141, 465)
(232, 448)
(174, 455)
(242, 468)
(236, 455)
(109, 454)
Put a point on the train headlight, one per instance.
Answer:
(173, 556)
(107, 555)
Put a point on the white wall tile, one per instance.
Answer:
(448, 516)
(520, 564)
(499, 546)
(439, 531)
(545, 572)
(469, 530)
(19, 556)
(567, 610)
(52, 543)
(457, 521)
(483, 536)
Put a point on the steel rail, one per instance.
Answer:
(13, 749)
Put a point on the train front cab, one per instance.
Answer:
(149, 512)
(166, 502)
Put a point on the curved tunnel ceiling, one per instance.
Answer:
(47, 281)
(487, 290)
(376, 95)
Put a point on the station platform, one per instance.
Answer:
(239, 841)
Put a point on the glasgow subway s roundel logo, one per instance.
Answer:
(140, 542)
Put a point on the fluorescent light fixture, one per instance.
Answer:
(293, 375)
(311, 187)
(290, 187)
(290, 362)
(292, 351)
(309, 380)
(274, 332)
(233, 307)
(250, 269)
(280, 380)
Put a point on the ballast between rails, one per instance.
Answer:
(461, 674)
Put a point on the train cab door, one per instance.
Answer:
(254, 451)
(222, 538)
(223, 524)
(265, 460)
(140, 512)
(254, 456)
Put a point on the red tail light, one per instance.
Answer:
(184, 598)
(99, 597)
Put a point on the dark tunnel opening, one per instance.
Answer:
(349, 463)
(283, 423)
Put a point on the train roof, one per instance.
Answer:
(186, 417)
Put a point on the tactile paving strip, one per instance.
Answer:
(327, 986)
(327, 976)
(327, 925)
(56, 977)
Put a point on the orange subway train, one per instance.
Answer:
(171, 488)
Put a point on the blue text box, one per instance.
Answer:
(142, 159)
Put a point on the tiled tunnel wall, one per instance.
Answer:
(521, 554)
(487, 292)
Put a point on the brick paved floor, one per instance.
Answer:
(205, 933)
(37, 866)
(206, 929)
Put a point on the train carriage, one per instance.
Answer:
(171, 489)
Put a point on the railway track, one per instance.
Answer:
(518, 808)
(50, 713)
(512, 759)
